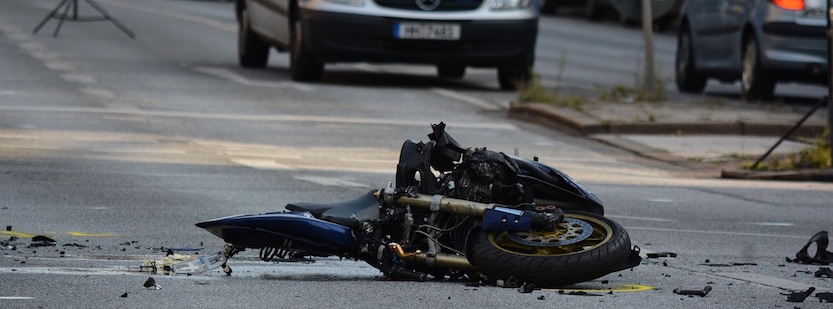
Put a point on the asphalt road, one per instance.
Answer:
(116, 147)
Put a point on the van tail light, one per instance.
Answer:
(792, 5)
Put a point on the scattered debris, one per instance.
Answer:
(661, 254)
(822, 256)
(150, 284)
(798, 297)
(825, 297)
(183, 264)
(702, 293)
(579, 293)
(510, 282)
(541, 297)
(41, 241)
(526, 288)
(728, 264)
(75, 245)
(8, 227)
(824, 272)
(124, 295)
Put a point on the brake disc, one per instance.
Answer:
(570, 231)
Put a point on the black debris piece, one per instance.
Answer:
(824, 272)
(75, 245)
(605, 281)
(580, 293)
(661, 254)
(822, 256)
(798, 297)
(825, 297)
(126, 243)
(728, 264)
(702, 293)
(541, 297)
(124, 295)
(8, 227)
(526, 288)
(151, 284)
(42, 241)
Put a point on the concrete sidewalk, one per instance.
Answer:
(697, 135)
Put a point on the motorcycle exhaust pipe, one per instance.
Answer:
(442, 260)
(439, 203)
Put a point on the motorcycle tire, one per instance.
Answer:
(568, 255)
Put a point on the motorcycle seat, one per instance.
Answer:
(349, 213)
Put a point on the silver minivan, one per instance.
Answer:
(449, 34)
(760, 42)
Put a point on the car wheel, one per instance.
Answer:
(251, 51)
(757, 83)
(688, 80)
(513, 77)
(302, 65)
(451, 71)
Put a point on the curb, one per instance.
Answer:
(561, 118)
(805, 175)
(555, 117)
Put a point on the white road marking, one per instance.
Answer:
(768, 281)
(78, 78)
(640, 218)
(330, 181)
(771, 223)
(15, 297)
(98, 92)
(661, 200)
(56, 65)
(251, 117)
(261, 164)
(7, 92)
(232, 76)
(653, 229)
(464, 98)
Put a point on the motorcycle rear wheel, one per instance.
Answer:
(568, 255)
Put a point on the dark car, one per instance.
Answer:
(759, 42)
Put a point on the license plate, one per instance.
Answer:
(426, 31)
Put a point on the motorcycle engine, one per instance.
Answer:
(486, 176)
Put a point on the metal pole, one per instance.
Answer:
(830, 80)
(648, 36)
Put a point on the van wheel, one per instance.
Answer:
(251, 51)
(688, 80)
(302, 65)
(757, 82)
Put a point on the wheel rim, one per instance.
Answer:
(576, 234)
(683, 54)
(242, 32)
(748, 71)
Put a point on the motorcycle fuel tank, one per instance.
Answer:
(295, 230)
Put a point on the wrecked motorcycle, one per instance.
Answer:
(455, 213)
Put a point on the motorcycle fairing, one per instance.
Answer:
(293, 230)
(551, 186)
(348, 213)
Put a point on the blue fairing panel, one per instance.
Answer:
(300, 230)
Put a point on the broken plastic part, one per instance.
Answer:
(661, 254)
(798, 297)
(824, 272)
(822, 256)
(702, 293)
(526, 288)
(825, 297)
